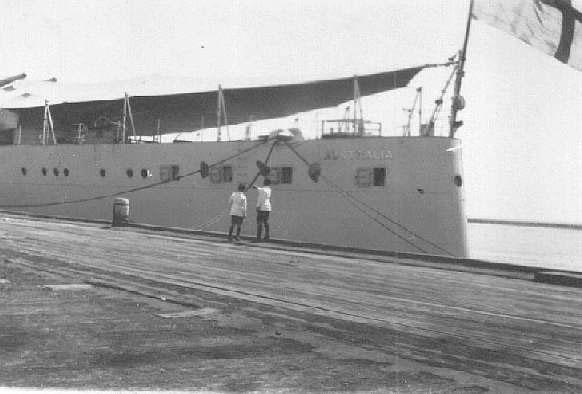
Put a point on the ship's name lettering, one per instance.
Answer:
(358, 155)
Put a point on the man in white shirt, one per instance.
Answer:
(238, 211)
(263, 209)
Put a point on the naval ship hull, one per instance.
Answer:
(398, 194)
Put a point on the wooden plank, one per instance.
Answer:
(528, 325)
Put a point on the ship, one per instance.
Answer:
(349, 188)
(352, 187)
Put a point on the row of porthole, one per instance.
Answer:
(44, 171)
(144, 172)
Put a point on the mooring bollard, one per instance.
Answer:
(120, 212)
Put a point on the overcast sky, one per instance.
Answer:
(522, 143)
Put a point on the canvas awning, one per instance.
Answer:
(185, 111)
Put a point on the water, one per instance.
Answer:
(554, 248)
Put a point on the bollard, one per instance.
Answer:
(120, 212)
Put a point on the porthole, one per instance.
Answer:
(458, 180)
(314, 172)
(129, 173)
(145, 173)
(102, 172)
(44, 171)
(56, 171)
(66, 172)
(23, 170)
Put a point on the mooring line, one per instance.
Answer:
(356, 200)
(132, 190)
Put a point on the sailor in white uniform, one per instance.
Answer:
(238, 211)
(263, 209)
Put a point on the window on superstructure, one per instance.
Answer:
(129, 173)
(56, 171)
(379, 176)
(44, 171)
(102, 172)
(66, 172)
(23, 170)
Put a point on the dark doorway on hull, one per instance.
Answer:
(379, 176)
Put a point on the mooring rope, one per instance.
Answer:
(132, 190)
(350, 198)
(219, 217)
(265, 162)
(356, 201)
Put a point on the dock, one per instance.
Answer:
(90, 306)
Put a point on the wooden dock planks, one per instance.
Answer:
(507, 329)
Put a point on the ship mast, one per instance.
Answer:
(458, 101)
(221, 115)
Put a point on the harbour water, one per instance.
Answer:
(548, 247)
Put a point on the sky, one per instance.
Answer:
(522, 145)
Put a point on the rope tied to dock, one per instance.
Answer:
(217, 218)
(366, 209)
(354, 201)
